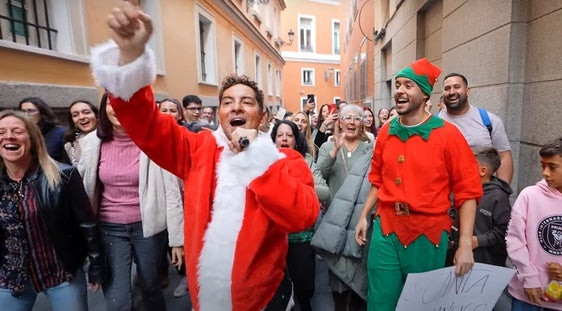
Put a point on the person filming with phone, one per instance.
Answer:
(309, 106)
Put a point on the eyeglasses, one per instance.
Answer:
(351, 118)
(30, 111)
(193, 108)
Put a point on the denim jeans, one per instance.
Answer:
(518, 305)
(63, 297)
(124, 243)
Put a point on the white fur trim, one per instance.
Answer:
(121, 81)
(234, 174)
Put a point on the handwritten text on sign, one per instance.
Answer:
(441, 290)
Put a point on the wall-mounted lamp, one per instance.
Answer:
(291, 34)
(379, 34)
(329, 73)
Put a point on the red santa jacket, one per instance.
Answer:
(238, 208)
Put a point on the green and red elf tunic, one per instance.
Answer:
(420, 166)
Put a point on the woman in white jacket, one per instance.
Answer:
(135, 201)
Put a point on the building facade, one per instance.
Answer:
(504, 48)
(44, 47)
(313, 58)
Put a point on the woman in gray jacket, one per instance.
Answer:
(344, 162)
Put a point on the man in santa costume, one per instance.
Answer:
(240, 200)
(418, 160)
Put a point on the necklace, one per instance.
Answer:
(350, 151)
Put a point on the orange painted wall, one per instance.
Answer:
(325, 90)
(362, 28)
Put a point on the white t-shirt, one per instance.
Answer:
(475, 132)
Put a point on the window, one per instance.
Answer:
(336, 37)
(277, 82)
(155, 43)
(28, 22)
(306, 27)
(258, 70)
(49, 27)
(238, 56)
(270, 80)
(206, 46)
(337, 77)
(307, 76)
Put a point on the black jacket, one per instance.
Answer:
(70, 221)
(492, 217)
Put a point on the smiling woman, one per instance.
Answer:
(47, 226)
(345, 153)
(82, 119)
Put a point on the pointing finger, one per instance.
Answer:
(147, 21)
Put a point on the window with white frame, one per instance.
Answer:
(306, 34)
(238, 56)
(269, 80)
(337, 77)
(206, 46)
(307, 75)
(258, 70)
(277, 82)
(336, 37)
(156, 42)
(49, 25)
(304, 99)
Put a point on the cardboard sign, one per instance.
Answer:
(441, 290)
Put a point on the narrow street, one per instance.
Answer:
(321, 301)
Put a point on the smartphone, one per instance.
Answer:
(332, 108)
(280, 113)
(310, 98)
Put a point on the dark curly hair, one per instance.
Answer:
(234, 79)
(48, 116)
(300, 143)
(70, 135)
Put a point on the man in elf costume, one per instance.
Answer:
(418, 160)
(242, 195)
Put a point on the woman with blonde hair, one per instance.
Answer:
(303, 123)
(47, 225)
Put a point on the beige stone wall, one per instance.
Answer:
(508, 50)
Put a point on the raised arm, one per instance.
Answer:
(131, 29)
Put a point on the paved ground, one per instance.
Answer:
(322, 300)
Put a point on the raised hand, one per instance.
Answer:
(131, 29)
(239, 132)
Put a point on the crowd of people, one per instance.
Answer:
(244, 203)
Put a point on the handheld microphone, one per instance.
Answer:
(244, 142)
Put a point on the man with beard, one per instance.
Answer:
(412, 194)
(471, 124)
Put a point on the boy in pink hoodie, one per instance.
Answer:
(534, 235)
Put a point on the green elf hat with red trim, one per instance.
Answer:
(422, 72)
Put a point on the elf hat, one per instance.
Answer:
(422, 72)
